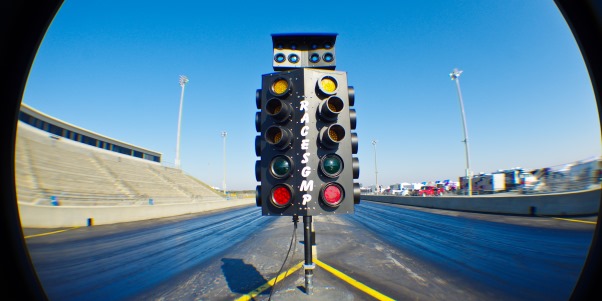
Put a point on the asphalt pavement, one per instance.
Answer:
(382, 251)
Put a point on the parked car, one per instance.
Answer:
(430, 191)
(402, 192)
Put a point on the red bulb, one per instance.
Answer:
(281, 196)
(333, 195)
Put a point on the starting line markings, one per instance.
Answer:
(362, 287)
(50, 233)
(272, 282)
(575, 220)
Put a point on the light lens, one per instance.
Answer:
(331, 165)
(335, 104)
(281, 167)
(314, 58)
(280, 86)
(279, 110)
(334, 134)
(279, 137)
(273, 134)
(273, 106)
(293, 58)
(330, 108)
(331, 136)
(279, 58)
(332, 194)
(328, 85)
(328, 57)
(281, 196)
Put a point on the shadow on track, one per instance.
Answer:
(240, 276)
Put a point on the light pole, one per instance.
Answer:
(224, 134)
(375, 168)
(183, 81)
(455, 75)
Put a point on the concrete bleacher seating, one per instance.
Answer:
(49, 167)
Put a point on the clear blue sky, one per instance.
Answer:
(113, 67)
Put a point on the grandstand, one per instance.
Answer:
(54, 170)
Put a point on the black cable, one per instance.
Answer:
(293, 239)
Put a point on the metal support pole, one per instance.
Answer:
(309, 265)
(455, 75)
(375, 167)
(224, 135)
(183, 81)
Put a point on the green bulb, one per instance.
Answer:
(332, 165)
(281, 166)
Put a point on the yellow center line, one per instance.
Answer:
(270, 283)
(575, 220)
(50, 233)
(352, 281)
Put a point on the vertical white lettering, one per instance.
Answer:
(305, 144)
(306, 171)
(307, 185)
(304, 131)
(304, 105)
(305, 118)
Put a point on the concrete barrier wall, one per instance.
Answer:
(562, 204)
(37, 216)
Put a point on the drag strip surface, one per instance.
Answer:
(509, 257)
(395, 251)
(116, 262)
